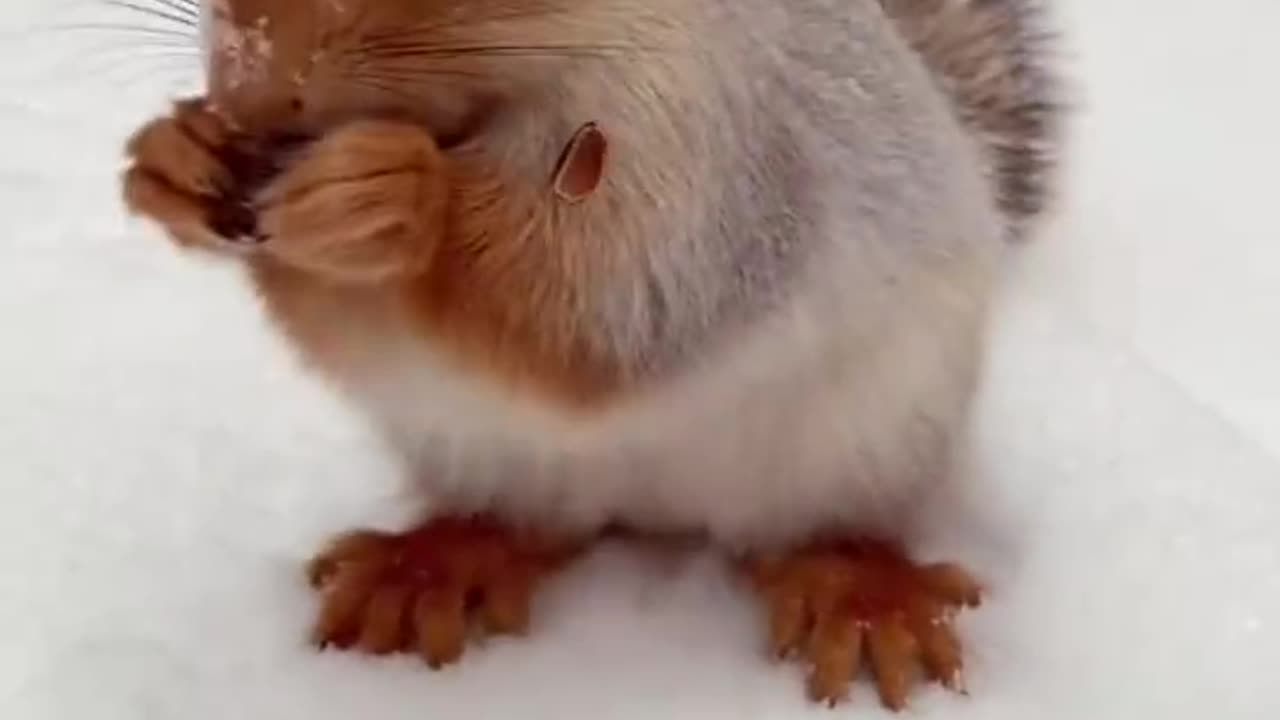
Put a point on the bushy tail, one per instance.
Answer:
(991, 56)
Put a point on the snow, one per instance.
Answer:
(165, 467)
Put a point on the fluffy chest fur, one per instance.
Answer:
(820, 416)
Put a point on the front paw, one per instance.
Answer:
(179, 177)
(362, 204)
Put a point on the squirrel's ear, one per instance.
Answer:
(581, 165)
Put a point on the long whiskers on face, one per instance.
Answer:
(472, 20)
(148, 34)
(481, 51)
(446, 51)
(133, 45)
(401, 59)
(394, 74)
(427, 40)
(176, 20)
(179, 12)
(410, 71)
(331, 59)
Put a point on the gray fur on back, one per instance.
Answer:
(992, 57)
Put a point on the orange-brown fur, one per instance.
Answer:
(478, 259)
(376, 210)
(483, 277)
(497, 288)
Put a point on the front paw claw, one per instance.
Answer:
(191, 173)
(170, 149)
(180, 175)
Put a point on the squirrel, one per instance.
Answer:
(756, 314)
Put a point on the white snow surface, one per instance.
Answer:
(165, 466)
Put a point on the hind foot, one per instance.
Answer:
(426, 590)
(842, 604)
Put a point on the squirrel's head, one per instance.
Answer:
(300, 65)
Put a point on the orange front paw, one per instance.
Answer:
(183, 175)
(363, 203)
(837, 603)
(424, 590)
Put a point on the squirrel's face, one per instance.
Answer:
(298, 66)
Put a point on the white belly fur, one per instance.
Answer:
(828, 415)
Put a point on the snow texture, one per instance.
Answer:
(165, 466)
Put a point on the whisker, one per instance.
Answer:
(149, 50)
(156, 13)
(102, 57)
(531, 51)
(602, 47)
(110, 55)
(130, 76)
(126, 30)
(430, 28)
(412, 84)
(389, 88)
(191, 10)
(406, 73)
